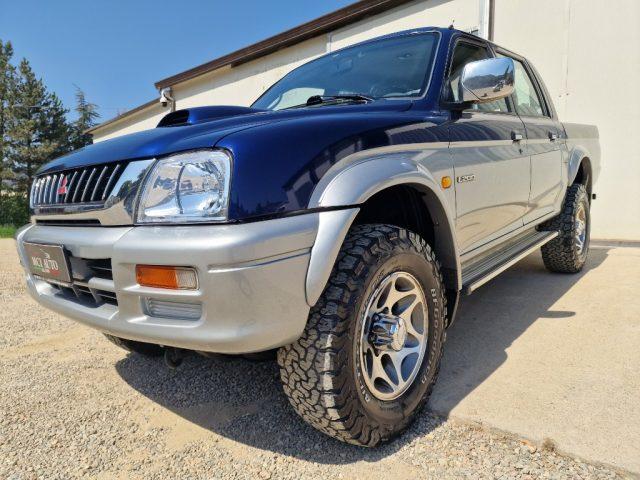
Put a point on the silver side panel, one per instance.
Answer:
(356, 178)
(472, 255)
(493, 203)
(548, 172)
(490, 148)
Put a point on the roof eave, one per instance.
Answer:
(124, 115)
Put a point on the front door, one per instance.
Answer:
(488, 151)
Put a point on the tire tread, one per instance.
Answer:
(560, 254)
(312, 368)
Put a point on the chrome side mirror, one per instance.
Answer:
(487, 80)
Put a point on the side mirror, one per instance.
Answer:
(487, 80)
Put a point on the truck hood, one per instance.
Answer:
(278, 157)
(200, 127)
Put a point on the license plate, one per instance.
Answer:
(48, 261)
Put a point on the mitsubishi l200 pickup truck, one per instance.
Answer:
(338, 220)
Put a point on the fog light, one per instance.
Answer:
(160, 276)
(177, 310)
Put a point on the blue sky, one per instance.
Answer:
(115, 50)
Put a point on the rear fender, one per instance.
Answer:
(583, 142)
(576, 155)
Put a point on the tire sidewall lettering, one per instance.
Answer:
(419, 266)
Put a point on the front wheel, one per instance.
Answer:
(370, 354)
(567, 253)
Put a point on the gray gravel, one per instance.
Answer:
(73, 405)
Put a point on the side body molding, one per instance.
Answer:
(352, 181)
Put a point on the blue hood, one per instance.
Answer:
(202, 131)
(278, 156)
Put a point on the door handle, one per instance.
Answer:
(553, 136)
(516, 136)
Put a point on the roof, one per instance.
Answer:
(324, 24)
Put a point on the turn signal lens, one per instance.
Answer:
(159, 276)
(446, 182)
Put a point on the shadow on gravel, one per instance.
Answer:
(243, 400)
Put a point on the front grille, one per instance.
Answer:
(75, 186)
(86, 296)
(100, 267)
(81, 290)
(69, 223)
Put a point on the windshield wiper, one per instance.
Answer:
(332, 100)
(320, 99)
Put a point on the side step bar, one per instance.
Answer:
(497, 263)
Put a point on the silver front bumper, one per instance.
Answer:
(251, 281)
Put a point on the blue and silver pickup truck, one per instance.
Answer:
(338, 220)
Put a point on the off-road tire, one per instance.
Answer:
(562, 253)
(146, 349)
(320, 372)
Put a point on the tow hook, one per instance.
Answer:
(172, 357)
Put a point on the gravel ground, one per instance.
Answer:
(74, 405)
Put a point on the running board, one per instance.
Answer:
(495, 264)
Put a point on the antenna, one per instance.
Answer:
(451, 27)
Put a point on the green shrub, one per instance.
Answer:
(14, 209)
(7, 231)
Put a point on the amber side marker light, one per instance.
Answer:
(161, 276)
(446, 182)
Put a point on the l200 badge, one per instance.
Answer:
(465, 178)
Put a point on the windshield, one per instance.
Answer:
(393, 67)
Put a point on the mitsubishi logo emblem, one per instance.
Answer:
(62, 189)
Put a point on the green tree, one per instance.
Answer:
(7, 93)
(33, 131)
(87, 116)
(39, 132)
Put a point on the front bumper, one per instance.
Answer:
(251, 281)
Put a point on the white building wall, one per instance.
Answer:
(142, 120)
(243, 84)
(464, 14)
(587, 51)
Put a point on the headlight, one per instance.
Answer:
(187, 187)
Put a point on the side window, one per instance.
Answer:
(466, 53)
(526, 97)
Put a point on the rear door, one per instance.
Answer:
(543, 141)
(491, 166)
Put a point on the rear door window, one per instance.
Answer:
(526, 97)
